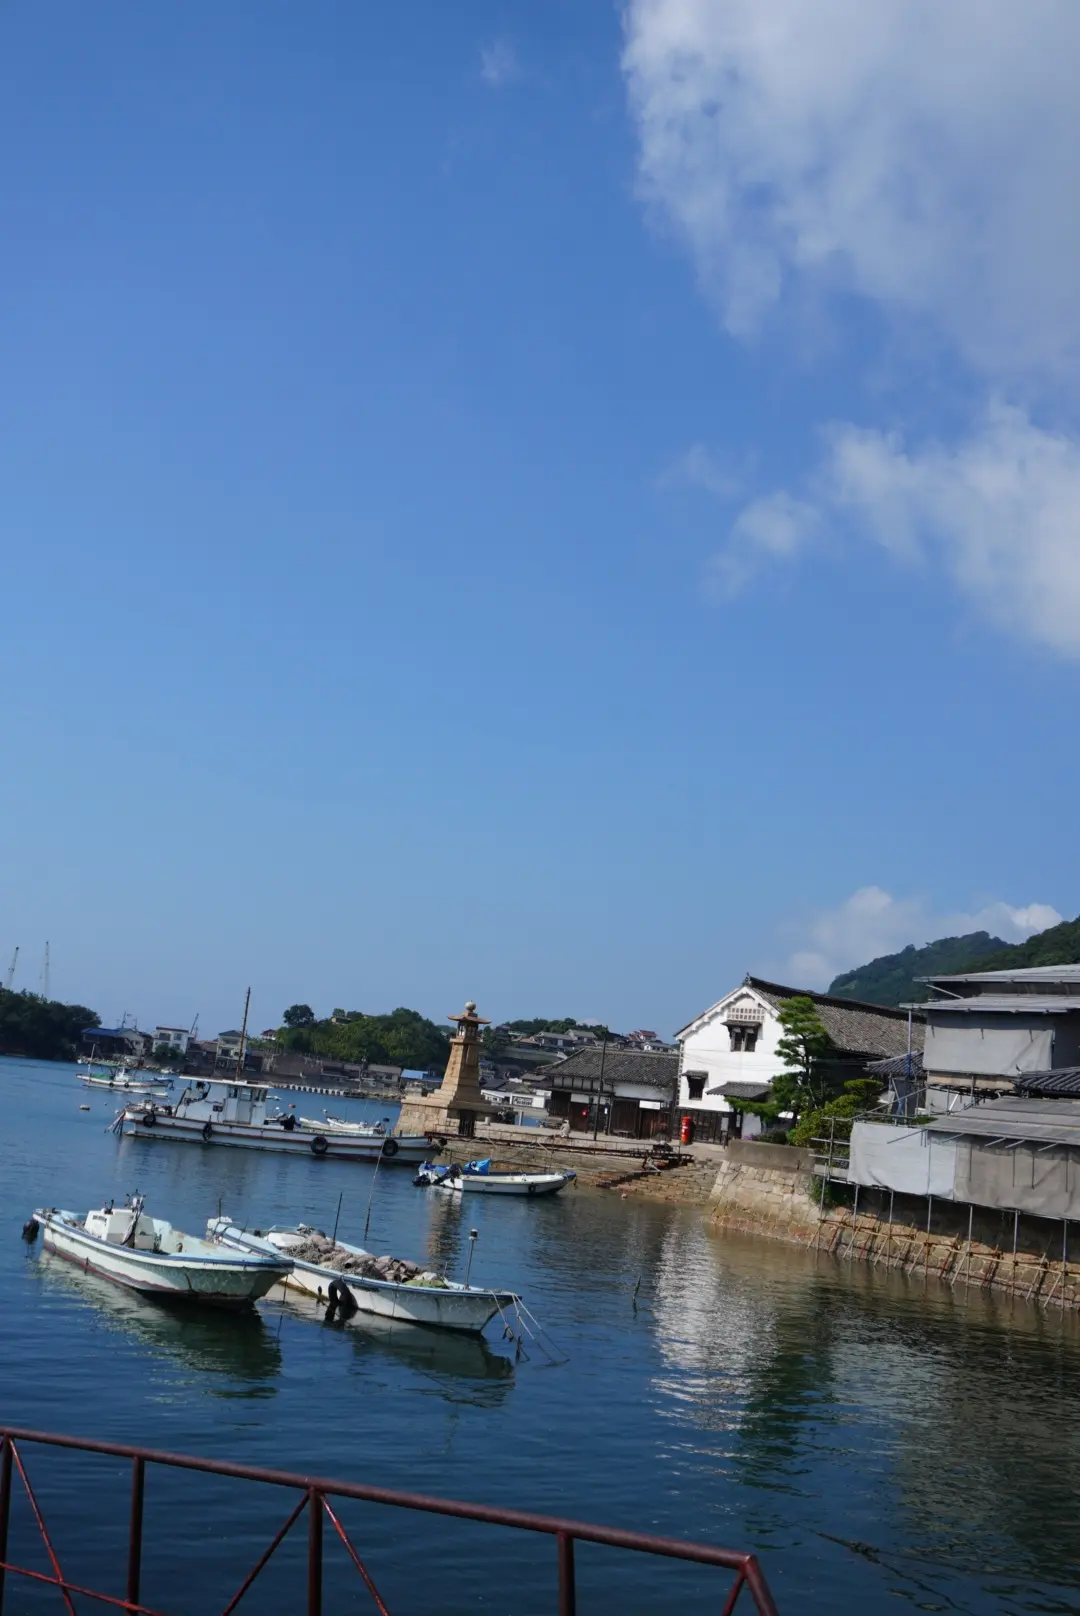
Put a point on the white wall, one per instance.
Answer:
(707, 1048)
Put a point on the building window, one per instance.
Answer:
(695, 1087)
(743, 1037)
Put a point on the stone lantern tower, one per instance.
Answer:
(455, 1106)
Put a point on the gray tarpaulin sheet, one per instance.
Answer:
(908, 1160)
(1004, 1049)
(1027, 1177)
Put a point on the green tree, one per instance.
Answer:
(166, 1055)
(299, 1015)
(833, 1120)
(42, 1029)
(804, 1048)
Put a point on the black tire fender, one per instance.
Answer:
(150, 1120)
(390, 1147)
(319, 1145)
(207, 1132)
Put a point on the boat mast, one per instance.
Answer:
(243, 1036)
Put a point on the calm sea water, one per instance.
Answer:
(872, 1437)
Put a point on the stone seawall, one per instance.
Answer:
(768, 1191)
(765, 1189)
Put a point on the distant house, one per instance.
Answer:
(177, 1038)
(614, 1091)
(269, 1035)
(227, 1052)
(729, 1051)
(117, 1041)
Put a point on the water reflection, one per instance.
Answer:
(464, 1366)
(234, 1352)
(957, 1409)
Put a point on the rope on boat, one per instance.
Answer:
(538, 1334)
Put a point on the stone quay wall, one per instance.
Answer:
(769, 1190)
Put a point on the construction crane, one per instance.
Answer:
(45, 972)
(11, 970)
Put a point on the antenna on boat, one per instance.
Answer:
(243, 1036)
(474, 1235)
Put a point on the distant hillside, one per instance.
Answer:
(892, 979)
(1058, 945)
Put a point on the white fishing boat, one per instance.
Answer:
(124, 1085)
(149, 1256)
(232, 1111)
(425, 1297)
(329, 1124)
(479, 1178)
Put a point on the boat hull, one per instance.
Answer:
(242, 1136)
(485, 1184)
(210, 1281)
(467, 1311)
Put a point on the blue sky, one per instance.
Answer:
(557, 505)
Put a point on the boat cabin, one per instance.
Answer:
(222, 1101)
(114, 1225)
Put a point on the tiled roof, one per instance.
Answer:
(619, 1065)
(855, 1029)
(1064, 1081)
(743, 1091)
(898, 1065)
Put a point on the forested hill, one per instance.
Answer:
(42, 1029)
(892, 979)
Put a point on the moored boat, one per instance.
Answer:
(359, 1130)
(479, 1178)
(233, 1111)
(148, 1255)
(325, 1269)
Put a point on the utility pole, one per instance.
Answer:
(600, 1085)
(11, 970)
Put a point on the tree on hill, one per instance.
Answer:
(1058, 945)
(403, 1038)
(299, 1015)
(42, 1029)
(894, 978)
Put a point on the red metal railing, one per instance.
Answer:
(315, 1494)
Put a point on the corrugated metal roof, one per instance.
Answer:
(1004, 1004)
(1016, 1119)
(1023, 973)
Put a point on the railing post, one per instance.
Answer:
(5, 1505)
(314, 1564)
(134, 1571)
(567, 1589)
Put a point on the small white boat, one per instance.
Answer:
(425, 1298)
(232, 1111)
(359, 1130)
(149, 1256)
(478, 1178)
(124, 1085)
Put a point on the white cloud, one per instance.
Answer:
(498, 63)
(1000, 512)
(871, 922)
(924, 154)
(699, 467)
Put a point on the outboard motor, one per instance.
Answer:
(30, 1231)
